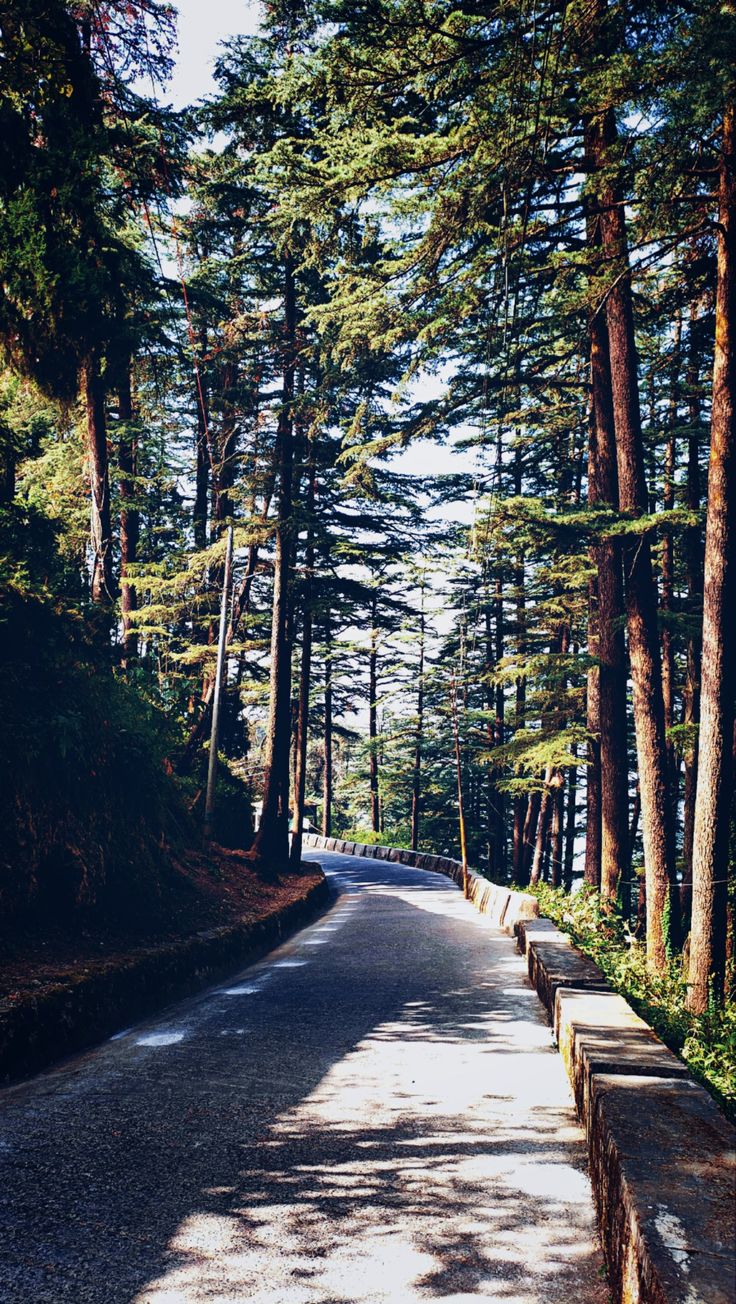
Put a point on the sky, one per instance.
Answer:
(202, 25)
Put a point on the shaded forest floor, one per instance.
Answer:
(205, 890)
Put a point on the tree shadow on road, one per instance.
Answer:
(401, 1133)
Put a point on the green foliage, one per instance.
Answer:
(88, 810)
(707, 1042)
(399, 837)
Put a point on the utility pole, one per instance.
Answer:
(209, 805)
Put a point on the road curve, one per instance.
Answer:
(375, 1112)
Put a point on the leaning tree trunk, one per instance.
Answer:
(271, 844)
(129, 514)
(529, 836)
(641, 593)
(715, 761)
(543, 822)
(102, 587)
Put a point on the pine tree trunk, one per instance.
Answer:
(241, 604)
(271, 844)
(373, 717)
(102, 587)
(327, 772)
(611, 649)
(715, 761)
(593, 824)
(224, 472)
(499, 839)
(521, 802)
(694, 580)
(202, 470)
(668, 567)
(302, 729)
(556, 833)
(521, 806)
(543, 821)
(416, 791)
(641, 595)
(7, 472)
(129, 514)
(570, 822)
(529, 836)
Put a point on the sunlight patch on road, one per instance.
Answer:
(161, 1038)
(438, 1162)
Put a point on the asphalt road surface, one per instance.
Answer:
(375, 1112)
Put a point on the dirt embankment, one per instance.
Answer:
(63, 986)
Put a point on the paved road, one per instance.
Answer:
(374, 1112)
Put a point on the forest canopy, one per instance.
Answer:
(396, 229)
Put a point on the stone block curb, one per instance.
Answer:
(650, 1127)
(553, 965)
(599, 1033)
(539, 930)
(663, 1164)
(80, 1012)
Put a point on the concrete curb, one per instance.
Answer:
(662, 1155)
(77, 1014)
(505, 907)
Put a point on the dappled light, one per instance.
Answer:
(328, 1126)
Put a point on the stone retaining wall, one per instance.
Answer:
(662, 1154)
(36, 1031)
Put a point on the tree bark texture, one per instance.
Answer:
(693, 548)
(202, 472)
(305, 675)
(327, 771)
(416, 790)
(543, 823)
(271, 844)
(715, 761)
(373, 716)
(640, 587)
(102, 586)
(129, 514)
(610, 645)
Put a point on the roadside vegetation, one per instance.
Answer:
(705, 1041)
